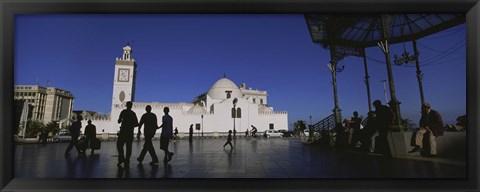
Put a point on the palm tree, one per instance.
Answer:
(299, 127)
(52, 127)
(33, 127)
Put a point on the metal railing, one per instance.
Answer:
(328, 123)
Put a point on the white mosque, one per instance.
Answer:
(211, 113)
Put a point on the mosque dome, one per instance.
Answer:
(221, 87)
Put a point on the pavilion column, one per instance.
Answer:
(419, 73)
(366, 81)
(337, 112)
(394, 103)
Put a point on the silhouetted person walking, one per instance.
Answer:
(75, 133)
(384, 117)
(90, 134)
(167, 133)
(190, 133)
(129, 121)
(148, 119)
(229, 140)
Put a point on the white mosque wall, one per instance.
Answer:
(221, 121)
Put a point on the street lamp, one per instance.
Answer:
(202, 125)
(385, 90)
(234, 113)
(335, 69)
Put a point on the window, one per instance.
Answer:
(229, 94)
(254, 100)
(197, 126)
(271, 126)
(239, 113)
(261, 101)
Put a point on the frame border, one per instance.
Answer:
(8, 9)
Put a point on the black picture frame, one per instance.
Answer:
(9, 8)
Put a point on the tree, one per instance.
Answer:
(299, 127)
(33, 127)
(52, 127)
(462, 121)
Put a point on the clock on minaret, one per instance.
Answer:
(123, 75)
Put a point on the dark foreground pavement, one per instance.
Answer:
(254, 158)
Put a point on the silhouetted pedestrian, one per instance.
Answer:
(39, 137)
(129, 121)
(90, 134)
(190, 133)
(75, 133)
(431, 123)
(384, 116)
(175, 134)
(167, 133)
(229, 140)
(254, 131)
(148, 119)
(355, 124)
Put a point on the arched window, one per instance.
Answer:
(239, 113)
(211, 109)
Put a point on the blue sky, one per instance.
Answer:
(180, 57)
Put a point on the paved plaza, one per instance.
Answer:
(206, 158)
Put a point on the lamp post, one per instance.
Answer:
(385, 90)
(202, 125)
(334, 69)
(234, 110)
(311, 120)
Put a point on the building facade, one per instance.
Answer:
(49, 103)
(210, 113)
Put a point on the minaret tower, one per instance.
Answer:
(123, 81)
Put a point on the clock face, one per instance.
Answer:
(123, 75)
(122, 96)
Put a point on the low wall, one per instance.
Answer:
(451, 145)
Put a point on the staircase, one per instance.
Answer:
(328, 123)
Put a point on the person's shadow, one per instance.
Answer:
(167, 170)
(92, 163)
(123, 172)
(229, 156)
(153, 171)
(71, 166)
